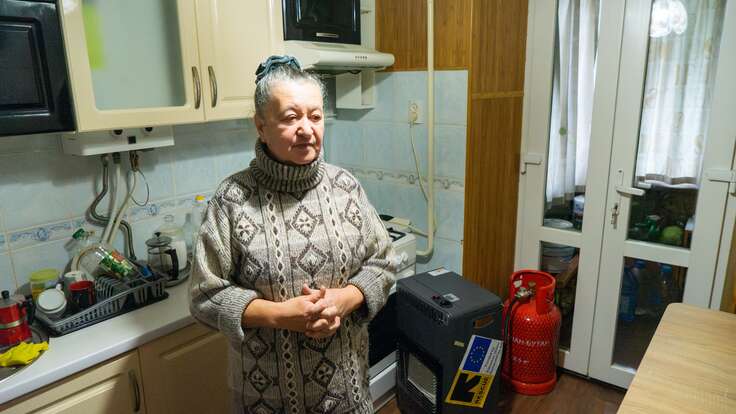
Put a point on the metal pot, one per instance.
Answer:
(16, 315)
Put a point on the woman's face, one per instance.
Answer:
(292, 125)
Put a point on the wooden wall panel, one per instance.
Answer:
(491, 188)
(401, 29)
(498, 46)
(495, 102)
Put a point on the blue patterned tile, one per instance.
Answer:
(233, 151)
(384, 107)
(449, 211)
(40, 256)
(7, 276)
(408, 86)
(378, 140)
(193, 164)
(447, 254)
(450, 144)
(451, 97)
(45, 187)
(157, 167)
(344, 143)
(41, 234)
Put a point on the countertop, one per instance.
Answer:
(87, 347)
(690, 365)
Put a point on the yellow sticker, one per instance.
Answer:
(470, 389)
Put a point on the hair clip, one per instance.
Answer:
(273, 62)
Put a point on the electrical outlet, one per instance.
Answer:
(416, 111)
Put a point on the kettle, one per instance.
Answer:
(16, 315)
(162, 257)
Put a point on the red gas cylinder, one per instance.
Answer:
(531, 332)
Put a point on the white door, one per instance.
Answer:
(234, 37)
(673, 141)
(132, 63)
(573, 52)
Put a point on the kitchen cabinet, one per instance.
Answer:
(234, 36)
(183, 372)
(111, 388)
(627, 169)
(165, 62)
(186, 371)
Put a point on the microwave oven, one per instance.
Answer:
(329, 21)
(34, 84)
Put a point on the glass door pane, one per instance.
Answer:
(573, 84)
(562, 262)
(646, 290)
(134, 53)
(684, 39)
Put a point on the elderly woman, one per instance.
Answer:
(292, 261)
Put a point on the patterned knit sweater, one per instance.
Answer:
(268, 230)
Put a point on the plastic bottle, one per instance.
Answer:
(629, 296)
(178, 241)
(644, 285)
(195, 219)
(668, 290)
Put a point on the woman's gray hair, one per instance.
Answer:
(282, 73)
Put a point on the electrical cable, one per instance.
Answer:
(148, 191)
(416, 160)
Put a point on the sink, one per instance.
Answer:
(39, 335)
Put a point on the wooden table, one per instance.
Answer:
(689, 367)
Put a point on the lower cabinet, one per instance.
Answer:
(186, 372)
(183, 372)
(111, 388)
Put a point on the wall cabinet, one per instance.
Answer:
(183, 372)
(157, 62)
(111, 388)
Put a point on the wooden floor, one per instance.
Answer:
(571, 395)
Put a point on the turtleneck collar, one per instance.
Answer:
(278, 176)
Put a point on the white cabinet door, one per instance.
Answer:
(571, 72)
(186, 372)
(111, 388)
(133, 63)
(673, 141)
(234, 37)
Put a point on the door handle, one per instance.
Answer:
(213, 85)
(530, 158)
(136, 391)
(197, 88)
(632, 191)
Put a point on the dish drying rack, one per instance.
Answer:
(114, 297)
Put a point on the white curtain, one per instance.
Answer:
(572, 97)
(677, 94)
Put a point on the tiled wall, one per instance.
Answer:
(44, 193)
(375, 145)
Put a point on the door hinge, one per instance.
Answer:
(530, 158)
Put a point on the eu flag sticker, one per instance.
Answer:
(476, 354)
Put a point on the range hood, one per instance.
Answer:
(337, 57)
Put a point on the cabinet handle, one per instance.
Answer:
(213, 85)
(197, 88)
(136, 391)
